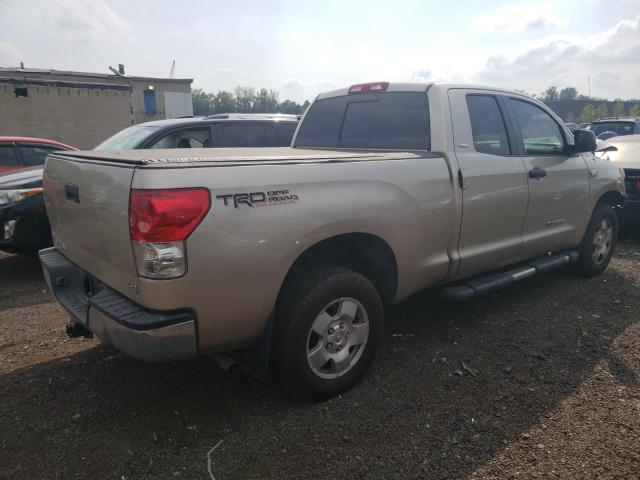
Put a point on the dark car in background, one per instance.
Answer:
(214, 131)
(21, 152)
(607, 128)
(24, 227)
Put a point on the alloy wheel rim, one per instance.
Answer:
(337, 338)
(602, 240)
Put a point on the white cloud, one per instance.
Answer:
(517, 18)
(10, 56)
(294, 85)
(226, 72)
(610, 57)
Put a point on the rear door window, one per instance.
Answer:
(35, 154)
(8, 158)
(390, 120)
(487, 125)
(235, 135)
(186, 138)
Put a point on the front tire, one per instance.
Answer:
(599, 241)
(327, 331)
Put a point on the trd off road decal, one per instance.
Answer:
(258, 199)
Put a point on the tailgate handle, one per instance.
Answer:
(72, 192)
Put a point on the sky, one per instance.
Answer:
(304, 47)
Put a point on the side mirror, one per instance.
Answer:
(585, 141)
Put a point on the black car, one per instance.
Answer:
(215, 131)
(23, 221)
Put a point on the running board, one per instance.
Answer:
(477, 286)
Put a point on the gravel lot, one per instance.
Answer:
(538, 381)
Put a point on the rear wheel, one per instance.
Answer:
(327, 331)
(599, 241)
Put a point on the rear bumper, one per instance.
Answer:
(143, 334)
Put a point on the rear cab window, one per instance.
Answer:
(388, 120)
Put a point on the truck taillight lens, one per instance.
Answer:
(166, 215)
(159, 222)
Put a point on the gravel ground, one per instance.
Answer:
(540, 380)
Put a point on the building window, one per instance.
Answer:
(21, 92)
(150, 102)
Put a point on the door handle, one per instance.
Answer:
(537, 172)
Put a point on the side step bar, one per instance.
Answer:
(477, 286)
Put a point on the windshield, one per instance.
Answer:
(392, 120)
(127, 139)
(621, 128)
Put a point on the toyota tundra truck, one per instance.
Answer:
(284, 259)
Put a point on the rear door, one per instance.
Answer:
(493, 180)
(558, 183)
(9, 159)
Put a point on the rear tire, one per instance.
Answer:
(327, 330)
(599, 241)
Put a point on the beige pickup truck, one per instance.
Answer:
(284, 258)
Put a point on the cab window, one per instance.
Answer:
(541, 135)
(487, 125)
(188, 138)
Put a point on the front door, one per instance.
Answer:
(558, 214)
(493, 180)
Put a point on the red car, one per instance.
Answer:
(21, 152)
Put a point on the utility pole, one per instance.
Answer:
(589, 87)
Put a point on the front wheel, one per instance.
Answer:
(599, 241)
(327, 331)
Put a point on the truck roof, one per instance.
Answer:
(418, 87)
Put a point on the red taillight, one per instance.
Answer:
(369, 87)
(166, 215)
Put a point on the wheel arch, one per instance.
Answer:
(613, 198)
(365, 253)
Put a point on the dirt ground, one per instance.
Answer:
(540, 380)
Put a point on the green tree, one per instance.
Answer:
(618, 109)
(570, 118)
(603, 110)
(225, 102)
(634, 111)
(203, 102)
(266, 101)
(245, 99)
(568, 93)
(550, 95)
(588, 113)
(304, 107)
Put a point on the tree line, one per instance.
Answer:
(596, 108)
(244, 100)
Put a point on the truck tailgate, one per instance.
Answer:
(88, 208)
